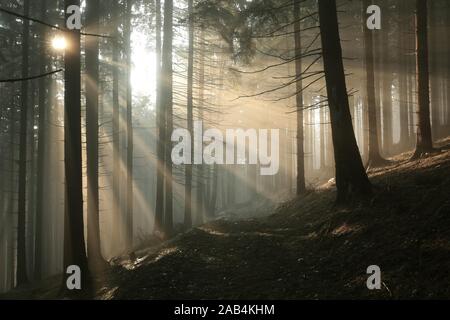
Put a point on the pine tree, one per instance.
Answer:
(351, 177)
(424, 136)
(21, 273)
(74, 242)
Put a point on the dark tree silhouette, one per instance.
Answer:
(190, 118)
(375, 158)
(41, 147)
(351, 177)
(301, 183)
(74, 242)
(424, 136)
(403, 74)
(92, 131)
(21, 273)
(386, 81)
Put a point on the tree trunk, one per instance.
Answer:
(117, 214)
(424, 137)
(350, 174)
(435, 70)
(387, 87)
(190, 119)
(167, 105)
(301, 183)
(447, 83)
(411, 79)
(74, 243)
(92, 101)
(375, 158)
(161, 125)
(11, 203)
(21, 273)
(31, 165)
(129, 213)
(200, 198)
(322, 138)
(403, 81)
(378, 62)
(3, 217)
(42, 146)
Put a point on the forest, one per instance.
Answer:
(224, 149)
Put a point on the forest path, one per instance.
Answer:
(309, 248)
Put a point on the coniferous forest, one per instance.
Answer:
(224, 149)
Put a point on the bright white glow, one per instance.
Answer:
(143, 78)
(59, 43)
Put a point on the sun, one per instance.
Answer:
(59, 43)
(143, 77)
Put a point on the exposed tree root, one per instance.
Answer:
(424, 152)
(378, 162)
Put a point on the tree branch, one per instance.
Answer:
(31, 78)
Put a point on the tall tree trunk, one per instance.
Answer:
(411, 79)
(435, 70)
(167, 104)
(11, 203)
(31, 166)
(42, 146)
(92, 101)
(322, 137)
(378, 64)
(117, 214)
(387, 85)
(3, 217)
(74, 243)
(350, 174)
(301, 183)
(403, 74)
(129, 220)
(200, 197)
(190, 119)
(447, 83)
(289, 164)
(161, 126)
(21, 273)
(424, 137)
(3, 193)
(375, 158)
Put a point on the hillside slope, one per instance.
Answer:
(311, 249)
(307, 249)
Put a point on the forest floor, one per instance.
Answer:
(308, 248)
